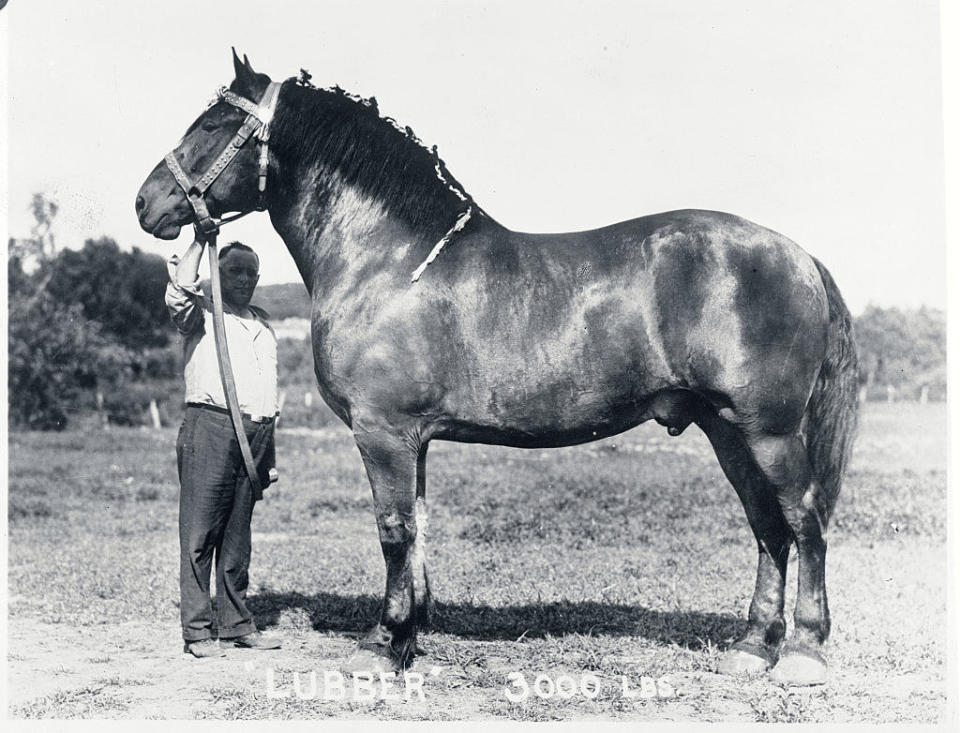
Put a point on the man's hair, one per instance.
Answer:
(237, 245)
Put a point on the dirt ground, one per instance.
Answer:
(137, 670)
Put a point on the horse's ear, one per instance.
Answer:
(248, 82)
(238, 67)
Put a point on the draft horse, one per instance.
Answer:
(431, 321)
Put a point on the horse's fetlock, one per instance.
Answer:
(775, 632)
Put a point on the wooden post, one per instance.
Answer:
(155, 414)
(104, 420)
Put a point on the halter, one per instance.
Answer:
(257, 123)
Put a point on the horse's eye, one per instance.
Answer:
(210, 125)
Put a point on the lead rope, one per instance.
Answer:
(226, 370)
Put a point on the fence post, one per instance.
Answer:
(104, 420)
(155, 414)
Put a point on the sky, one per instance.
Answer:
(821, 120)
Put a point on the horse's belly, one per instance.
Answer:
(539, 433)
(538, 408)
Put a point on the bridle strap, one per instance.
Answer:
(257, 122)
(268, 105)
(229, 153)
(205, 222)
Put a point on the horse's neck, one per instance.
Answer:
(335, 232)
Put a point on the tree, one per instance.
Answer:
(903, 348)
(34, 252)
(40, 246)
(56, 354)
(122, 291)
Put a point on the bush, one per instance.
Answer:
(129, 403)
(905, 349)
(54, 355)
(295, 362)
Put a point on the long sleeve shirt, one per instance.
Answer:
(251, 342)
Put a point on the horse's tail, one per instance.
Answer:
(832, 410)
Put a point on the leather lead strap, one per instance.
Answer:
(226, 370)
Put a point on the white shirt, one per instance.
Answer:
(251, 343)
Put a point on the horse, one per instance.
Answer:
(431, 321)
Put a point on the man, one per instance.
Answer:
(216, 498)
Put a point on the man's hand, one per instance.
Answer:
(189, 265)
(199, 237)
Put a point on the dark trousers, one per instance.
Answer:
(216, 504)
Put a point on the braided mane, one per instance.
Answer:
(387, 162)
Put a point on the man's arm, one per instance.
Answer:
(183, 296)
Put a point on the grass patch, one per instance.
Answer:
(90, 702)
(630, 556)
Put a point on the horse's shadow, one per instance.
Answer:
(356, 614)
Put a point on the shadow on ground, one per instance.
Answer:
(357, 614)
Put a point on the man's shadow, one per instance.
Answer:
(356, 614)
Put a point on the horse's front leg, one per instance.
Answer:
(390, 459)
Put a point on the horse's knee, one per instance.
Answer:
(398, 532)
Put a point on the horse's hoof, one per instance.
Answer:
(800, 667)
(738, 661)
(367, 661)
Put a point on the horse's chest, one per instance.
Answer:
(333, 377)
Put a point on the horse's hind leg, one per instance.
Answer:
(784, 462)
(391, 464)
(756, 650)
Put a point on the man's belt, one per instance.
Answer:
(225, 411)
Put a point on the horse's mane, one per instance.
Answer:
(389, 163)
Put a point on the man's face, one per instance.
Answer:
(239, 272)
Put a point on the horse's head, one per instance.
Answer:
(162, 203)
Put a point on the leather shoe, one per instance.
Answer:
(203, 648)
(253, 640)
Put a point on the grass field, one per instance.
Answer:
(624, 559)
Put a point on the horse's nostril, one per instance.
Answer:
(140, 204)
